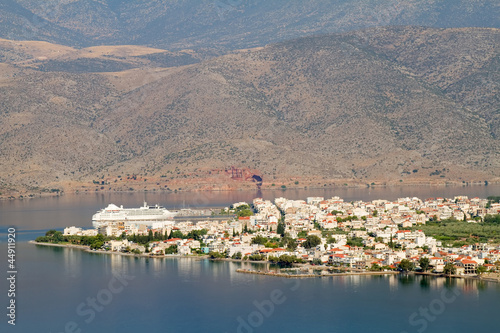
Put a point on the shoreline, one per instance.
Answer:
(23, 195)
(87, 249)
(302, 276)
(257, 272)
(467, 277)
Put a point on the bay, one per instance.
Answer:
(188, 295)
(55, 285)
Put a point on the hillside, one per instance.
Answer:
(314, 106)
(224, 24)
(381, 105)
(468, 74)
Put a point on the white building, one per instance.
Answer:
(72, 231)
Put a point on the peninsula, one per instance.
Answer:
(453, 236)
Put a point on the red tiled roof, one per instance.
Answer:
(336, 249)
(465, 261)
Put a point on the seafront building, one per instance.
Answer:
(385, 232)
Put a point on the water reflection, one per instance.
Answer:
(425, 282)
(393, 283)
(406, 279)
(451, 283)
(193, 270)
(188, 269)
(73, 263)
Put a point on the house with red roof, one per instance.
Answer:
(469, 266)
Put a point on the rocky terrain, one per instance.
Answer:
(383, 105)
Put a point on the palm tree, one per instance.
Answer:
(449, 269)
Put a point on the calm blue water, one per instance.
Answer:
(185, 295)
(56, 287)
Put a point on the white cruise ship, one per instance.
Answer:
(145, 215)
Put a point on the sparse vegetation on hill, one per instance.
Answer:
(358, 106)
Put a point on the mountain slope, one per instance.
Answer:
(225, 24)
(17, 22)
(388, 104)
(346, 111)
(468, 74)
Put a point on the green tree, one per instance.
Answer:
(197, 234)
(53, 236)
(216, 255)
(302, 234)
(243, 210)
(424, 263)
(291, 244)
(273, 259)
(311, 241)
(259, 240)
(449, 269)
(355, 241)
(281, 229)
(237, 256)
(256, 257)
(286, 260)
(244, 213)
(171, 249)
(284, 241)
(492, 219)
(493, 198)
(96, 244)
(480, 270)
(406, 265)
(176, 234)
(331, 240)
(271, 245)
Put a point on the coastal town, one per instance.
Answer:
(379, 235)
